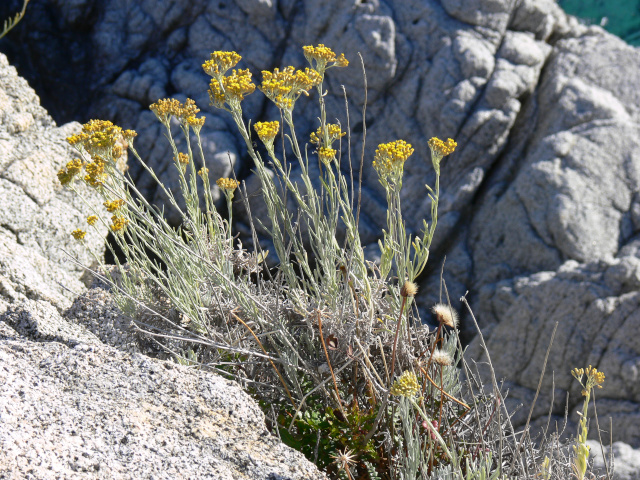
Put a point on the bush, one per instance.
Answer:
(329, 344)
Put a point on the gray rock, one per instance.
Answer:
(626, 460)
(40, 321)
(555, 238)
(91, 411)
(37, 214)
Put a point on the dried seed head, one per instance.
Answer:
(409, 289)
(442, 358)
(344, 459)
(445, 315)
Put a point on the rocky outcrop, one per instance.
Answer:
(37, 215)
(540, 208)
(73, 407)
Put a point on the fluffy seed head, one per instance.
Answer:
(344, 459)
(445, 315)
(442, 358)
(409, 289)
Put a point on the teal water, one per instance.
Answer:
(620, 17)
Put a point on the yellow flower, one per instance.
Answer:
(165, 108)
(227, 183)
(267, 131)
(406, 385)
(195, 123)
(389, 162)
(323, 57)
(285, 87)
(113, 205)
(98, 138)
(118, 223)
(326, 155)
(92, 219)
(129, 135)
(65, 175)
(440, 148)
(594, 378)
(334, 132)
(95, 172)
(231, 90)
(203, 172)
(183, 158)
(78, 234)
(220, 62)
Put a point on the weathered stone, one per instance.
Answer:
(91, 411)
(37, 214)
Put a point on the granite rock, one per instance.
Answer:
(626, 460)
(37, 214)
(73, 407)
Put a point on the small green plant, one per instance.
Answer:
(594, 379)
(329, 344)
(12, 22)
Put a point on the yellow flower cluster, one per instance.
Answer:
(323, 57)
(165, 108)
(204, 171)
(195, 122)
(113, 205)
(118, 223)
(389, 161)
(594, 378)
(99, 138)
(183, 158)
(267, 131)
(129, 135)
(220, 62)
(285, 87)
(440, 148)
(333, 132)
(65, 175)
(326, 154)
(102, 140)
(231, 90)
(78, 234)
(92, 219)
(95, 172)
(406, 385)
(394, 152)
(227, 183)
